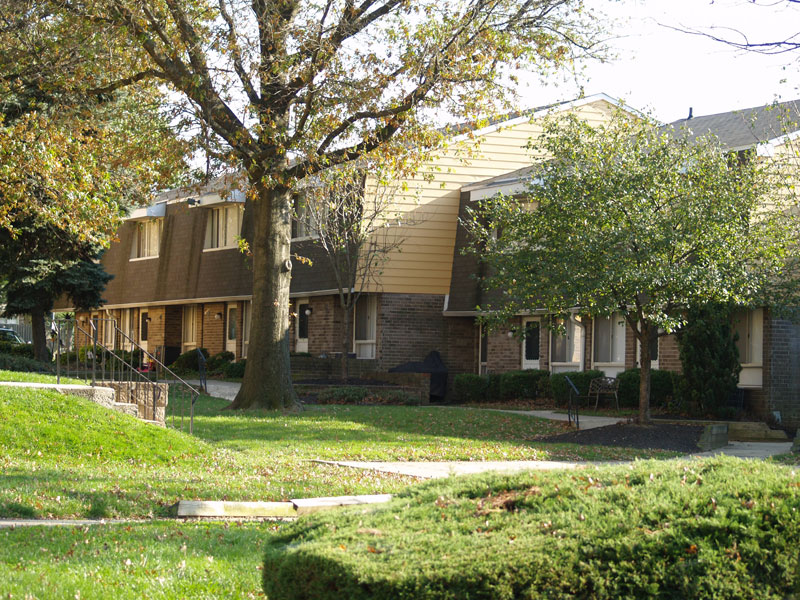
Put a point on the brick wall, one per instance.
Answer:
(669, 358)
(173, 319)
(211, 333)
(631, 348)
(504, 353)
(782, 370)
(409, 327)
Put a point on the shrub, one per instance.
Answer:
(343, 395)
(493, 387)
(709, 357)
(661, 387)
(188, 361)
(560, 387)
(718, 528)
(521, 384)
(469, 387)
(12, 362)
(216, 364)
(235, 370)
(25, 350)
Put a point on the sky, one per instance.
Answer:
(665, 72)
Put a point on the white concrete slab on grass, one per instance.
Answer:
(306, 506)
(203, 508)
(437, 470)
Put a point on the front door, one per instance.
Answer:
(301, 331)
(232, 328)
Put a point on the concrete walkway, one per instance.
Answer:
(219, 389)
(586, 421)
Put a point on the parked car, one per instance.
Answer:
(9, 335)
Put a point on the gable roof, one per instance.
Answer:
(765, 125)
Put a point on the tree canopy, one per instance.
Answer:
(643, 221)
(286, 89)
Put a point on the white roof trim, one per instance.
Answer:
(541, 113)
(767, 149)
(507, 189)
(154, 211)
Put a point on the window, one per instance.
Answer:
(566, 348)
(143, 327)
(147, 238)
(223, 227)
(246, 310)
(749, 325)
(530, 344)
(609, 340)
(308, 223)
(232, 316)
(190, 325)
(300, 220)
(483, 350)
(365, 326)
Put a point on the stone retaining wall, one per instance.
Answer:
(150, 399)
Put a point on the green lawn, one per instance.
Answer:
(22, 377)
(151, 560)
(61, 456)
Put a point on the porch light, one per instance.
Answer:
(218, 316)
(308, 312)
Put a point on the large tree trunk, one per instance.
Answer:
(39, 335)
(267, 379)
(644, 380)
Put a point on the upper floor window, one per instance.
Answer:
(147, 238)
(223, 227)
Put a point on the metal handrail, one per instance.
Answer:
(572, 403)
(120, 369)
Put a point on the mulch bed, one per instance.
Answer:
(678, 438)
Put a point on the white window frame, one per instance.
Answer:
(147, 239)
(247, 308)
(618, 333)
(223, 227)
(575, 340)
(530, 364)
(301, 344)
(189, 327)
(751, 375)
(366, 348)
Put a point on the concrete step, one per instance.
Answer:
(746, 431)
(128, 409)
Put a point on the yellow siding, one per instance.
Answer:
(424, 262)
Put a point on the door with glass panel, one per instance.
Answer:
(301, 330)
(365, 330)
(231, 327)
(530, 344)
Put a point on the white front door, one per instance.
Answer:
(231, 327)
(301, 329)
(365, 330)
(530, 344)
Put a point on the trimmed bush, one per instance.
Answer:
(560, 388)
(362, 395)
(25, 350)
(235, 370)
(188, 361)
(521, 384)
(661, 387)
(720, 528)
(12, 362)
(216, 364)
(469, 387)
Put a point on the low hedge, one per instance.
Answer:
(15, 362)
(522, 384)
(661, 387)
(469, 387)
(25, 350)
(363, 395)
(216, 364)
(560, 387)
(188, 361)
(234, 370)
(720, 528)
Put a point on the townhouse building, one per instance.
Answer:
(181, 280)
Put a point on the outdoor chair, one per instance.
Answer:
(604, 385)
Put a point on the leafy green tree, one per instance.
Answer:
(41, 263)
(640, 220)
(286, 89)
(709, 356)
